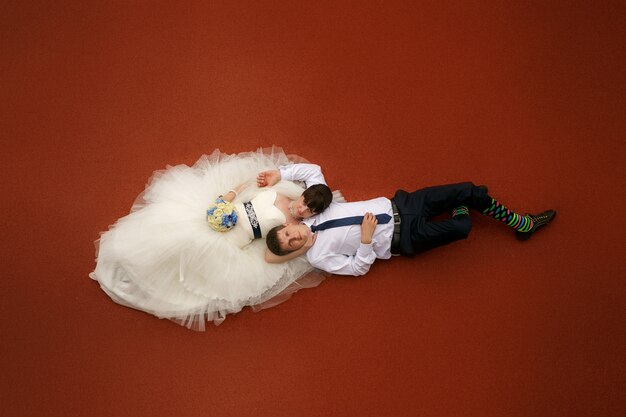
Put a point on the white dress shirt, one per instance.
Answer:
(311, 174)
(339, 250)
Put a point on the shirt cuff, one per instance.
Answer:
(365, 249)
(285, 173)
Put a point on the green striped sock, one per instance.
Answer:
(460, 211)
(499, 212)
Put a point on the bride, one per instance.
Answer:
(165, 257)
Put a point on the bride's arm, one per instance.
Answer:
(230, 195)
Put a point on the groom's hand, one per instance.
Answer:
(367, 228)
(268, 178)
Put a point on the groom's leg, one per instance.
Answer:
(419, 233)
(441, 199)
(427, 235)
(444, 198)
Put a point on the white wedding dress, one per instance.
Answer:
(164, 259)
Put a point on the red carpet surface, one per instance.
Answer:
(527, 97)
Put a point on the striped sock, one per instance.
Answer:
(500, 212)
(460, 211)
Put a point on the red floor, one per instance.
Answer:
(527, 98)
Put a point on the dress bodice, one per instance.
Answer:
(264, 215)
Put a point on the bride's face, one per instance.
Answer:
(299, 210)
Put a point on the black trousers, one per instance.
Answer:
(418, 233)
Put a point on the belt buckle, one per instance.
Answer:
(396, 213)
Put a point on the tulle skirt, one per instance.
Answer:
(163, 259)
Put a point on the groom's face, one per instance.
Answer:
(293, 236)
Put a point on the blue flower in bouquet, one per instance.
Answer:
(222, 216)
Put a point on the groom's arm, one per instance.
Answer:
(311, 174)
(271, 258)
(357, 264)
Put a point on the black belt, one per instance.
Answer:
(395, 240)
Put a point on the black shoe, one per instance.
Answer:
(484, 187)
(539, 220)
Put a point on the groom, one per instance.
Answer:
(347, 238)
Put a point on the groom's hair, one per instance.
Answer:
(317, 198)
(271, 239)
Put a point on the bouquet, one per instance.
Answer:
(222, 216)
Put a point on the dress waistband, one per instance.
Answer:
(254, 222)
